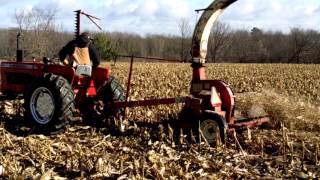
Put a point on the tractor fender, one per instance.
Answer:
(67, 72)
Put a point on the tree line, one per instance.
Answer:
(41, 36)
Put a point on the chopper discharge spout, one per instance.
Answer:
(203, 28)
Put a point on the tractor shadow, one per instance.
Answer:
(11, 118)
(13, 121)
(16, 125)
(168, 129)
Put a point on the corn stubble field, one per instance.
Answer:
(288, 147)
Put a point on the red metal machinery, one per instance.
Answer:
(211, 104)
(54, 93)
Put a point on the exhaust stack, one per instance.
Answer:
(19, 52)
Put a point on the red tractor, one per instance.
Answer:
(54, 93)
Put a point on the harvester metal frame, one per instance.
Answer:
(213, 98)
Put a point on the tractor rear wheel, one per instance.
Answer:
(110, 92)
(49, 103)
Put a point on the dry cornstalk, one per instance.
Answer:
(202, 135)
(238, 143)
(303, 151)
(142, 167)
(181, 136)
(171, 133)
(122, 126)
(7, 137)
(199, 131)
(291, 150)
(249, 134)
(218, 139)
(262, 147)
(193, 139)
(317, 153)
(121, 166)
(284, 143)
(2, 170)
(161, 132)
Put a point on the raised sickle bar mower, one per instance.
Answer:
(55, 94)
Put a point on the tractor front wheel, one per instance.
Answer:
(49, 103)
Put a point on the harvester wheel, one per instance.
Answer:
(49, 103)
(213, 128)
(112, 91)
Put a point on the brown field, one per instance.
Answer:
(287, 148)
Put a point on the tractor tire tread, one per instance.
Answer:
(110, 92)
(64, 98)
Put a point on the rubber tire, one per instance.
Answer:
(112, 91)
(219, 120)
(64, 103)
(188, 117)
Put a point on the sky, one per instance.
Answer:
(163, 16)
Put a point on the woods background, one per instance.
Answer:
(42, 36)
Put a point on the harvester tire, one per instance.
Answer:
(49, 103)
(213, 128)
(110, 92)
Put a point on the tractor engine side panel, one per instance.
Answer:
(16, 76)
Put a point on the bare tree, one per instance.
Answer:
(276, 52)
(298, 44)
(218, 38)
(37, 27)
(311, 52)
(184, 29)
(258, 51)
(240, 46)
